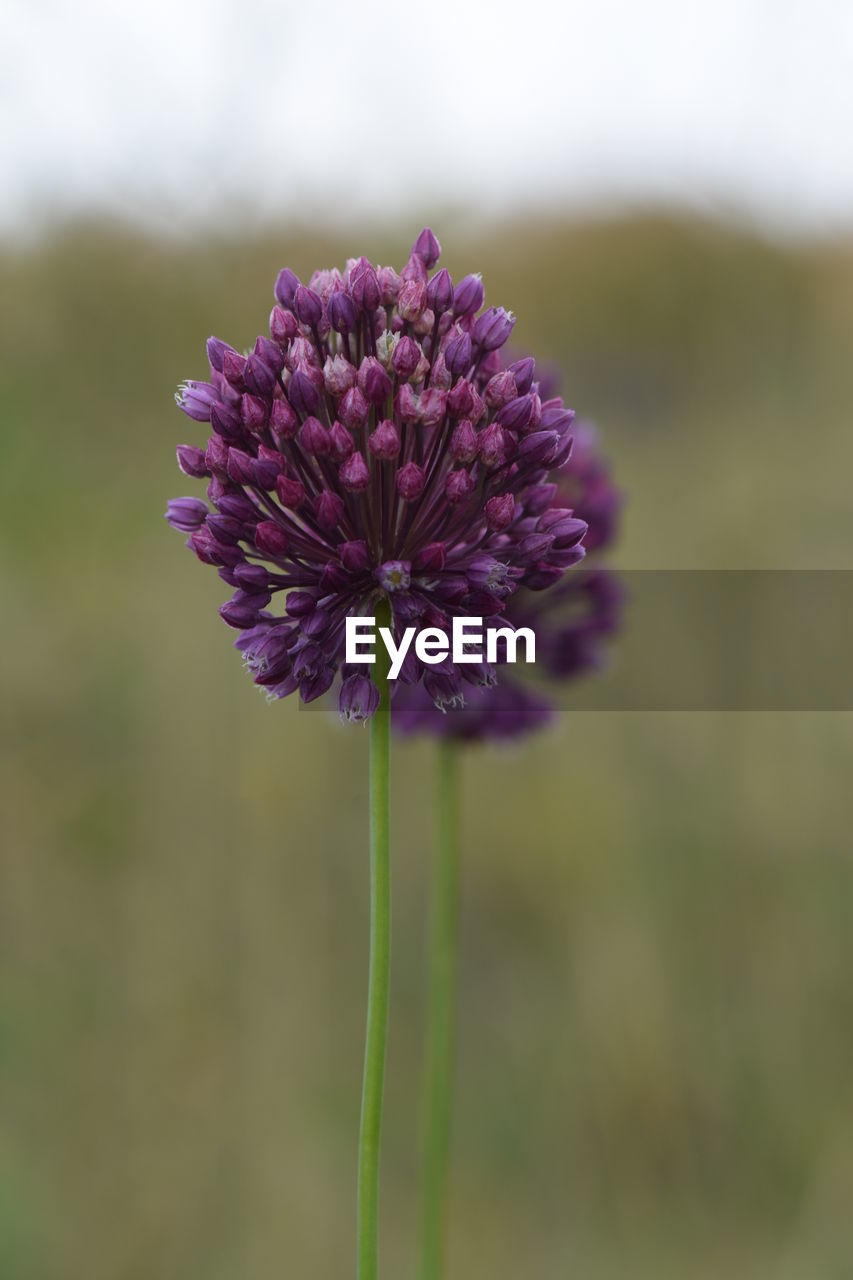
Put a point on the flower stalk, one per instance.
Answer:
(379, 972)
(438, 1089)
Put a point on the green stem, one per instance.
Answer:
(380, 967)
(440, 1015)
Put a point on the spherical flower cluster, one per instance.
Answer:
(571, 622)
(374, 446)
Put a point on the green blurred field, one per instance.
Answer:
(656, 1014)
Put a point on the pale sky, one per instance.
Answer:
(198, 112)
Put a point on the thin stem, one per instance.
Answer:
(380, 965)
(440, 1015)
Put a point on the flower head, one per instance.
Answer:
(373, 446)
(571, 620)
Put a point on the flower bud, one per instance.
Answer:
(226, 421)
(354, 555)
(412, 301)
(440, 291)
(432, 557)
(405, 404)
(389, 285)
(458, 486)
(358, 698)
(329, 509)
(291, 492)
(460, 399)
(405, 359)
(234, 369)
(343, 314)
(353, 409)
(431, 406)
(191, 461)
(492, 446)
(285, 288)
(522, 371)
(196, 398)
(384, 442)
(216, 455)
(517, 414)
(251, 577)
(342, 442)
(364, 285)
(216, 348)
(493, 327)
(308, 306)
(427, 248)
(303, 394)
(186, 514)
(315, 438)
(539, 447)
(270, 352)
(254, 412)
(463, 442)
(338, 375)
(373, 381)
(225, 528)
(284, 422)
(468, 296)
(238, 506)
(283, 326)
(410, 481)
(354, 474)
(458, 354)
(270, 539)
(499, 512)
(500, 390)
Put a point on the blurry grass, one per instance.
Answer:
(656, 1021)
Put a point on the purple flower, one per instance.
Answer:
(356, 454)
(571, 620)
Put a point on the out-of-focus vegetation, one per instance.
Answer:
(656, 1013)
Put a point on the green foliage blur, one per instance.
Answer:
(655, 1030)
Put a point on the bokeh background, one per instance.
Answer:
(656, 1005)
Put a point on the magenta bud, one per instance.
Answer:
(338, 375)
(535, 546)
(240, 467)
(251, 577)
(458, 354)
(354, 555)
(191, 461)
(225, 528)
(389, 285)
(353, 409)
(239, 506)
(291, 493)
(522, 371)
(300, 603)
(405, 404)
(342, 442)
(412, 301)
(432, 406)
(493, 327)
(557, 418)
(460, 399)
(500, 390)
(410, 481)
(284, 422)
(468, 296)
(517, 414)
(492, 446)
(254, 412)
(568, 532)
(458, 486)
(328, 509)
(540, 448)
(216, 455)
(343, 313)
(226, 421)
(406, 358)
(427, 247)
(285, 288)
(186, 514)
(354, 474)
(270, 352)
(216, 348)
(283, 326)
(364, 285)
(415, 269)
(478, 406)
(500, 511)
(440, 291)
(234, 369)
(315, 438)
(196, 398)
(432, 557)
(463, 442)
(384, 442)
(260, 378)
(308, 306)
(270, 539)
(374, 381)
(303, 394)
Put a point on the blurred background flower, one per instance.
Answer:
(655, 990)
